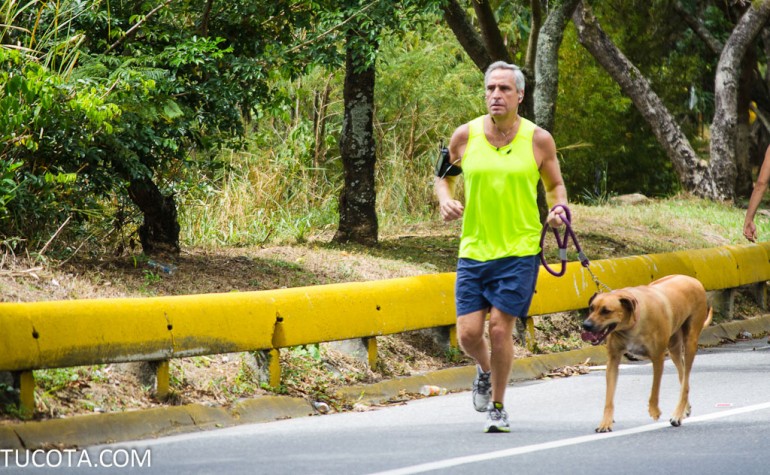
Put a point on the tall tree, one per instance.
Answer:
(715, 179)
(693, 172)
(363, 24)
(724, 127)
(358, 217)
(547, 61)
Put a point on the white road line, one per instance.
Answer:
(453, 462)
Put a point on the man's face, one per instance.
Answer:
(502, 96)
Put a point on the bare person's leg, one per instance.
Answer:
(470, 335)
(501, 339)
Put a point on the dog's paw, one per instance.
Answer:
(654, 412)
(604, 426)
(675, 422)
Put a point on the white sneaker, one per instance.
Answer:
(497, 419)
(482, 390)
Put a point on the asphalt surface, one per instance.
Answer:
(552, 432)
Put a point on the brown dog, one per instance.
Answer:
(670, 313)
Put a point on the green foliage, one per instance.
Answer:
(600, 195)
(85, 124)
(454, 355)
(426, 87)
(238, 111)
(605, 147)
(8, 185)
(43, 177)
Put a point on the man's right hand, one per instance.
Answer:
(451, 210)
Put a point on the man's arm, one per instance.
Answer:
(550, 173)
(444, 187)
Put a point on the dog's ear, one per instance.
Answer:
(590, 301)
(629, 303)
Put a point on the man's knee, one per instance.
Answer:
(501, 328)
(469, 336)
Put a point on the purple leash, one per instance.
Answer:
(566, 217)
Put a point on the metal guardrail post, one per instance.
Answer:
(759, 290)
(529, 334)
(274, 365)
(371, 351)
(162, 386)
(25, 382)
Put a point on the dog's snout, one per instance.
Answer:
(588, 325)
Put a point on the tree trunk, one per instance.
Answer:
(724, 127)
(469, 39)
(699, 29)
(537, 7)
(694, 173)
(203, 29)
(743, 179)
(358, 216)
(490, 33)
(319, 122)
(160, 231)
(547, 64)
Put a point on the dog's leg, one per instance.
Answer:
(677, 350)
(683, 409)
(613, 361)
(657, 373)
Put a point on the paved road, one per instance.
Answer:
(552, 432)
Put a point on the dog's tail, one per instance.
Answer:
(708, 319)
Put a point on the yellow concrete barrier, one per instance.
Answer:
(54, 334)
(363, 309)
(78, 332)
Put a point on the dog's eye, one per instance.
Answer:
(604, 311)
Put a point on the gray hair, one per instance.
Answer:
(518, 76)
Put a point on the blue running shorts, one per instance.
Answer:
(507, 284)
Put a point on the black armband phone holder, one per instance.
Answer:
(444, 165)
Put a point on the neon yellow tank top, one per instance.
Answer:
(501, 218)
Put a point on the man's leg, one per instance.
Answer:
(501, 339)
(470, 333)
(470, 336)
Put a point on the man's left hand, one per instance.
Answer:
(554, 218)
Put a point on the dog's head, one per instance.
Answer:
(607, 312)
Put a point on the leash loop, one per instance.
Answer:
(566, 217)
